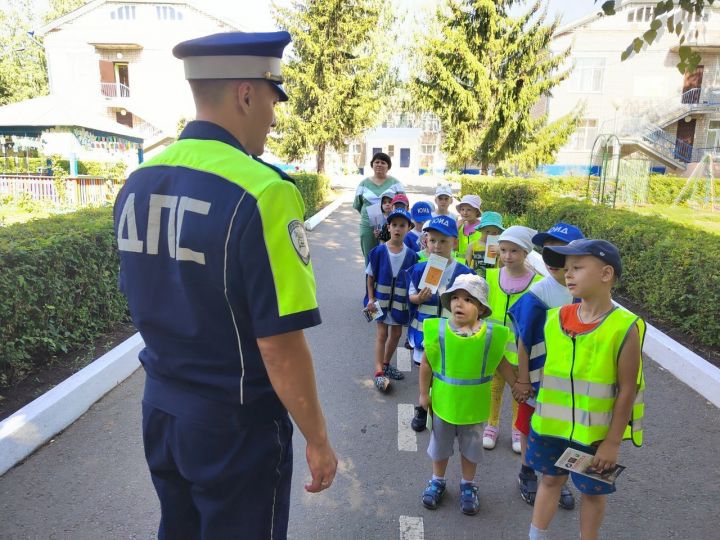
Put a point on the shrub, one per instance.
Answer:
(665, 189)
(58, 283)
(513, 196)
(314, 189)
(58, 287)
(669, 269)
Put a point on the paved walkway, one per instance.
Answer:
(91, 481)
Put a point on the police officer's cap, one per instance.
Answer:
(235, 55)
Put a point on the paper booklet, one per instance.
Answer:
(433, 273)
(580, 462)
(373, 316)
(491, 249)
(375, 215)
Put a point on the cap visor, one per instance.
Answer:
(540, 238)
(555, 255)
(280, 91)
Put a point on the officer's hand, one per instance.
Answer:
(322, 463)
(424, 295)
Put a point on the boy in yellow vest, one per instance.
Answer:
(590, 395)
(461, 355)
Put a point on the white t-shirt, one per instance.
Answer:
(551, 292)
(396, 260)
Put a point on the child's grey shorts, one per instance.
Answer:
(442, 440)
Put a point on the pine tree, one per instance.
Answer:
(482, 72)
(337, 74)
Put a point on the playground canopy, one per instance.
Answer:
(36, 117)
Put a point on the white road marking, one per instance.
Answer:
(407, 439)
(403, 359)
(411, 528)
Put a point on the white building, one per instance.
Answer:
(652, 108)
(116, 56)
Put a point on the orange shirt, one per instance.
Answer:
(571, 323)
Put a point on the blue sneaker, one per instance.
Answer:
(433, 494)
(469, 501)
(392, 372)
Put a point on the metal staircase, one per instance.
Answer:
(644, 132)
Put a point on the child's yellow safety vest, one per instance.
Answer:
(463, 369)
(579, 382)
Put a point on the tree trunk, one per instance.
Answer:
(320, 157)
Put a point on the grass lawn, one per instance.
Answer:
(11, 214)
(700, 218)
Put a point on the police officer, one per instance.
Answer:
(216, 268)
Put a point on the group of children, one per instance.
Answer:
(571, 357)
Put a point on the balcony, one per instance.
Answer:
(114, 90)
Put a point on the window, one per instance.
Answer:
(631, 16)
(123, 13)
(428, 149)
(168, 13)
(584, 136)
(587, 75)
(713, 137)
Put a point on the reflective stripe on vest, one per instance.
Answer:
(466, 382)
(385, 289)
(500, 302)
(579, 380)
(463, 368)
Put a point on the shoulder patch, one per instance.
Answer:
(298, 237)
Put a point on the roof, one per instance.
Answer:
(94, 4)
(55, 111)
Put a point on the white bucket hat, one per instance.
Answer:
(517, 234)
(476, 286)
(473, 200)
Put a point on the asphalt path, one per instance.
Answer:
(91, 481)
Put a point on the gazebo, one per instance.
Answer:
(64, 126)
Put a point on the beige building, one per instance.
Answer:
(116, 57)
(652, 108)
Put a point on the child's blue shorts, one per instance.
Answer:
(543, 452)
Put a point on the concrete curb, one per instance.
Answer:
(37, 422)
(323, 214)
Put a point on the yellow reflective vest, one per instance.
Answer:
(500, 302)
(463, 369)
(578, 387)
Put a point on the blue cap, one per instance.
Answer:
(560, 231)
(400, 212)
(422, 211)
(602, 249)
(444, 225)
(235, 55)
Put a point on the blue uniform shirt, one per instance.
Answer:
(213, 255)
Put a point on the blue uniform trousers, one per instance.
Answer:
(217, 479)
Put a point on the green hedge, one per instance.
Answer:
(58, 283)
(58, 288)
(314, 189)
(90, 168)
(665, 189)
(669, 269)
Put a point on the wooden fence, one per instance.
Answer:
(81, 191)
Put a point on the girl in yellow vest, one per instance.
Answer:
(467, 224)
(590, 396)
(490, 225)
(507, 285)
(461, 355)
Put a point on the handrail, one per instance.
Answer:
(114, 89)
